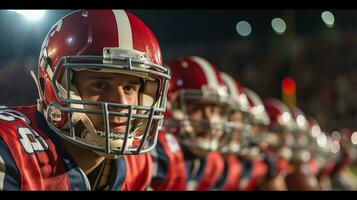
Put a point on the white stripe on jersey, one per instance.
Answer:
(2, 173)
(124, 29)
(231, 84)
(85, 179)
(207, 69)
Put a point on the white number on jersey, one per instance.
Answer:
(31, 141)
(172, 143)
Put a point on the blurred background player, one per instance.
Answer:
(258, 139)
(303, 166)
(169, 170)
(279, 137)
(342, 178)
(235, 135)
(321, 153)
(197, 99)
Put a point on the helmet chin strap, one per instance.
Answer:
(40, 94)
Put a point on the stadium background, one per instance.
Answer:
(319, 55)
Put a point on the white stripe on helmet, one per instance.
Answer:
(228, 80)
(125, 36)
(207, 69)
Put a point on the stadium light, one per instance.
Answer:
(288, 89)
(31, 14)
(328, 18)
(278, 25)
(243, 28)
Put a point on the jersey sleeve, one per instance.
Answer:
(9, 173)
(160, 163)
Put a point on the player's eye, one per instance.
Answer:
(100, 85)
(131, 89)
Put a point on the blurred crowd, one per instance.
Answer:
(322, 66)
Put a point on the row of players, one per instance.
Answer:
(237, 141)
(110, 116)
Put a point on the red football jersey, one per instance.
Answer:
(253, 173)
(234, 170)
(169, 172)
(35, 159)
(138, 172)
(313, 166)
(214, 166)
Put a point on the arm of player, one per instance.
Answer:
(9, 174)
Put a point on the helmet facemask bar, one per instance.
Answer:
(149, 117)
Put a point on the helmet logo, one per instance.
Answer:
(85, 13)
(54, 114)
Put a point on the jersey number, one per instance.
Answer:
(31, 141)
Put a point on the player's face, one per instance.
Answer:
(199, 113)
(258, 135)
(237, 119)
(287, 138)
(108, 87)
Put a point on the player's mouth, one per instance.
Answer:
(117, 131)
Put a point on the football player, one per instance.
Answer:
(198, 101)
(102, 92)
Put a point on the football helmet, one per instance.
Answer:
(259, 118)
(348, 142)
(318, 146)
(103, 41)
(313, 127)
(281, 127)
(301, 134)
(194, 79)
(342, 152)
(237, 127)
(279, 114)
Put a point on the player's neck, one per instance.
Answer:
(86, 160)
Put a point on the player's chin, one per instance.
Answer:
(116, 145)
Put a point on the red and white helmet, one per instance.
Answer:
(348, 142)
(237, 97)
(281, 127)
(314, 127)
(258, 119)
(195, 78)
(257, 110)
(279, 114)
(300, 119)
(108, 41)
(237, 128)
(343, 147)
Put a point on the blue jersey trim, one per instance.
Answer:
(119, 173)
(222, 178)
(162, 161)
(12, 179)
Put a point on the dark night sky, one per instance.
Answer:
(172, 27)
